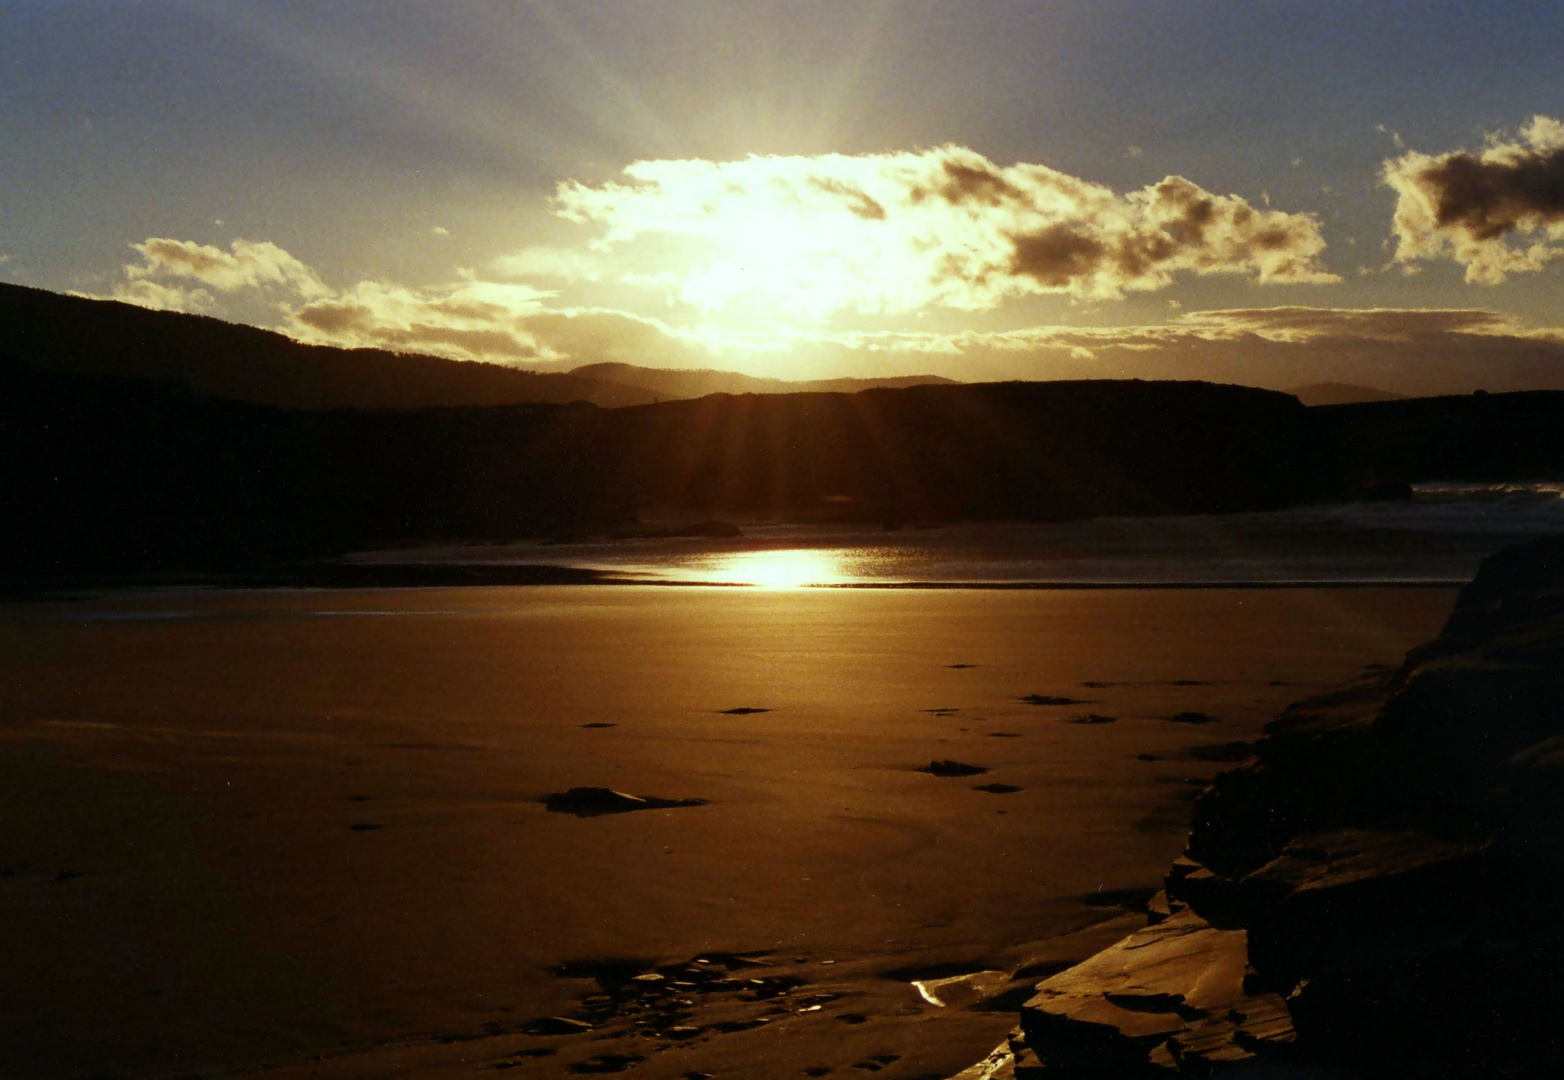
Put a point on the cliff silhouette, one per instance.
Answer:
(183, 459)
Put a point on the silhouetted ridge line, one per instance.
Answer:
(227, 360)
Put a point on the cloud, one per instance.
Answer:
(943, 227)
(1409, 351)
(158, 297)
(1497, 212)
(246, 265)
(471, 320)
(566, 264)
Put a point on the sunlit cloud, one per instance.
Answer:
(564, 264)
(146, 293)
(1497, 212)
(471, 320)
(517, 323)
(246, 265)
(895, 233)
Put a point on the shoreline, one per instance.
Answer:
(480, 575)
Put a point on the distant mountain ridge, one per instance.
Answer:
(698, 382)
(1337, 393)
(217, 359)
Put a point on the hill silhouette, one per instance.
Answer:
(217, 359)
(105, 475)
(698, 382)
(214, 447)
(1336, 393)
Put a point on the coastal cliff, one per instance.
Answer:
(1372, 893)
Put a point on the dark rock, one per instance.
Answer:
(744, 710)
(1350, 898)
(1160, 908)
(1045, 699)
(1216, 898)
(997, 789)
(953, 768)
(1093, 718)
(555, 1025)
(607, 1063)
(596, 801)
(1192, 718)
(1223, 752)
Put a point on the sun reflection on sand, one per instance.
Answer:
(794, 569)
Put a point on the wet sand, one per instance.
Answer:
(305, 830)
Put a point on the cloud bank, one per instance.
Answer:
(1497, 212)
(1409, 351)
(945, 227)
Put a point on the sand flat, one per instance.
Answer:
(250, 828)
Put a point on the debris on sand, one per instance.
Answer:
(1094, 718)
(1049, 699)
(1192, 718)
(596, 801)
(555, 1025)
(997, 789)
(953, 768)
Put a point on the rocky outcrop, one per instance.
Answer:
(1372, 894)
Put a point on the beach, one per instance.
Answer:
(305, 830)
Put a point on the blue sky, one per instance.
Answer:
(413, 149)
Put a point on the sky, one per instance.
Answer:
(1274, 193)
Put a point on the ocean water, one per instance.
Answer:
(1438, 536)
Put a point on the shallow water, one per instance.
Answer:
(1438, 536)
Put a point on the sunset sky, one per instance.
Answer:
(1269, 193)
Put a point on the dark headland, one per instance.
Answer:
(1373, 893)
(150, 443)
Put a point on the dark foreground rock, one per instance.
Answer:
(947, 767)
(596, 801)
(1373, 893)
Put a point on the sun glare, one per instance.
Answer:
(779, 569)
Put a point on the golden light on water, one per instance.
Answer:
(778, 569)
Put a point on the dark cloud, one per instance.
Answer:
(1473, 207)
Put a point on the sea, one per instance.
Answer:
(1438, 536)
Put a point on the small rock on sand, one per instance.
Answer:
(1192, 718)
(1094, 718)
(743, 710)
(1047, 699)
(952, 768)
(595, 801)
